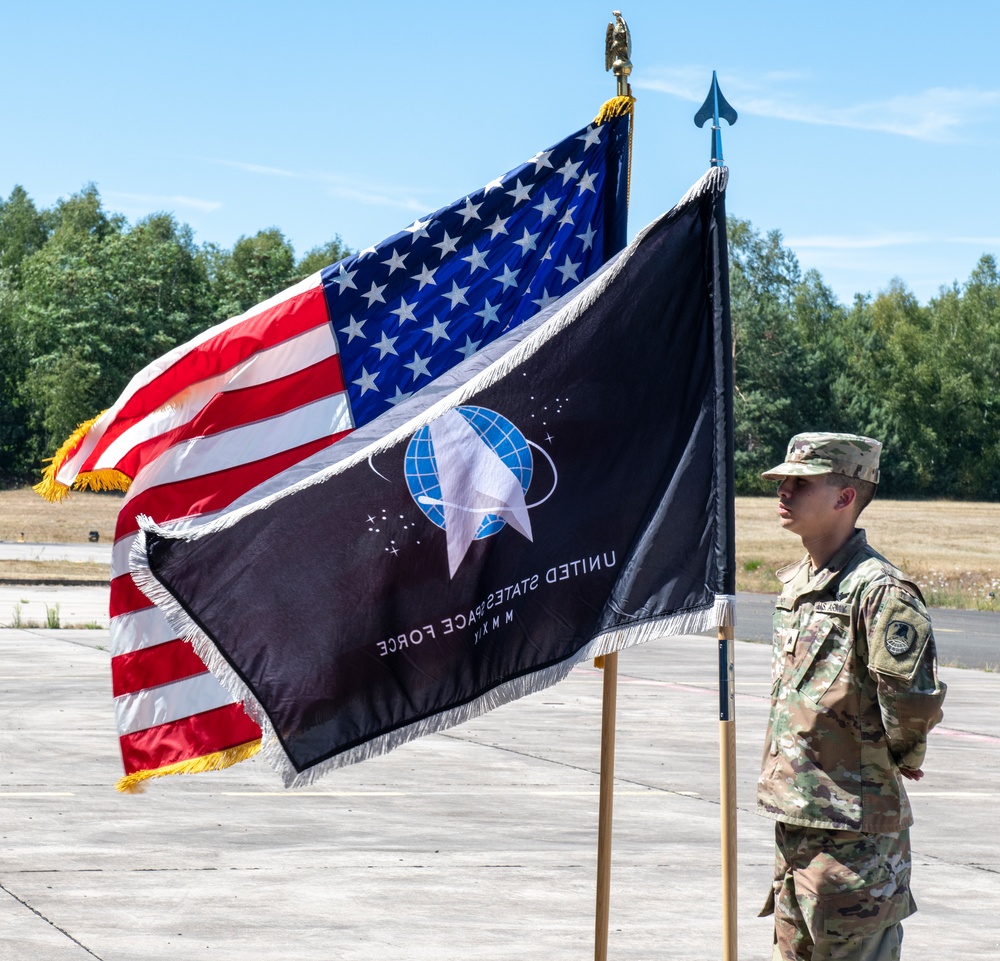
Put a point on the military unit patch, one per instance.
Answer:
(900, 635)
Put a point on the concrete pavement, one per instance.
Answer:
(480, 842)
(80, 553)
(964, 638)
(33, 604)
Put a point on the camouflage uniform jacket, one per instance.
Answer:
(854, 691)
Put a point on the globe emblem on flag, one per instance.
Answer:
(497, 433)
(469, 472)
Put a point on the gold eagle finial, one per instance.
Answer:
(618, 49)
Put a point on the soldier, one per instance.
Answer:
(854, 691)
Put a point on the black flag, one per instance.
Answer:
(564, 493)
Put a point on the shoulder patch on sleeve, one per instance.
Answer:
(902, 629)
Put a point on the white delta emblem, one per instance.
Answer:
(469, 472)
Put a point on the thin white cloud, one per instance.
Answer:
(147, 202)
(937, 114)
(367, 194)
(374, 199)
(687, 83)
(258, 168)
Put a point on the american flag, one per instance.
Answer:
(253, 401)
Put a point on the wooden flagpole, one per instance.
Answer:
(617, 57)
(610, 702)
(727, 792)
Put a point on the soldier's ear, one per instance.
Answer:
(848, 495)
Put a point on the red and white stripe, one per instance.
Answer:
(195, 430)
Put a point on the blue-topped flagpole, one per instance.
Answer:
(717, 108)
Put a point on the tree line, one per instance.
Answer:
(925, 380)
(86, 300)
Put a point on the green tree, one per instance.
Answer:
(323, 256)
(963, 338)
(788, 332)
(23, 231)
(20, 446)
(86, 302)
(762, 278)
(99, 301)
(255, 269)
(888, 388)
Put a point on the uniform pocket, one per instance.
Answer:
(846, 885)
(862, 913)
(784, 635)
(825, 645)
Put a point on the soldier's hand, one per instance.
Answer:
(910, 774)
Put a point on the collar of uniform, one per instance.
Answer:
(798, 579)
(788, 573)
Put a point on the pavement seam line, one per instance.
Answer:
(48, 921)
(577, 767)
(959, 864)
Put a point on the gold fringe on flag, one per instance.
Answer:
(134, 783)
(615, 107)
(107, 479)
(621, 107)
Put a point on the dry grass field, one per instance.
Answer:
(952, 549)
(23, 512)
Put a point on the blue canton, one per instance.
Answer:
(411, 308)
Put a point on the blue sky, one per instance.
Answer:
(866, 133)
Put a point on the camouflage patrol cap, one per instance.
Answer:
(812, 454)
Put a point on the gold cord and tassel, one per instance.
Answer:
(615, 107)
(106, 479)
(611, 110)
(135, 783)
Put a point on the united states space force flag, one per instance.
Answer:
(563, 493)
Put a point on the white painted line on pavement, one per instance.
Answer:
(313, 793)
(968, 735)
(463, 793)
(36, 794)
(977, 794)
